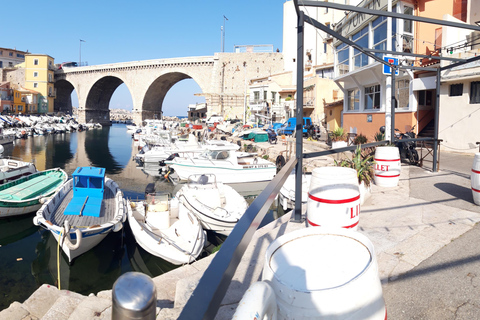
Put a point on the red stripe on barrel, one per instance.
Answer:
(340, 201)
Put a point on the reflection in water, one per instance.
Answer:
(98, 152)
(13, 229)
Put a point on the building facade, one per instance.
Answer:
(9, 58)
(39, 77)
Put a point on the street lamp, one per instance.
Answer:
(80, 54)
(223, 34)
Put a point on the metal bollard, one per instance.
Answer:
(134, 296)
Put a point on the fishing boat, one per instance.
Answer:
(163, 231)
(26, 194)
(216, 205)
(225, 162)
(83, 211)
(11, 169)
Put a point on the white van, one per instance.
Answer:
(214, 118)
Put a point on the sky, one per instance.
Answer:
(122, 31)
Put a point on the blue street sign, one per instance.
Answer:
(387, 69)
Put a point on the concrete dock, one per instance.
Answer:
(424, 232)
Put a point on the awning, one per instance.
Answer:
(426, 83)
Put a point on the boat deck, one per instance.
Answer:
(107, 212)
(41, 184)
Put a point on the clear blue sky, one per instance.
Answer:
(120, 31)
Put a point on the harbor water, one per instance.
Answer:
(28, 254)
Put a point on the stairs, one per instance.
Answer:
(427, 132)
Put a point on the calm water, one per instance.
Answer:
(28, 254)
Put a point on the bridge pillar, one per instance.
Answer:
(94, 116)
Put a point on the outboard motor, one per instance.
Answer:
(149, 189)
(170, 157)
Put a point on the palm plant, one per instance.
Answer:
(339, 134)
(363, 165)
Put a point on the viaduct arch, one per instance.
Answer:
(222, 79)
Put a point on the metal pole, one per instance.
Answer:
(392, 112)
(245, 95)
(299, 115)
(80, 53)
(223, 39)
(437, 110)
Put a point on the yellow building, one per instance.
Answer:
(39, 76)
(18, 102)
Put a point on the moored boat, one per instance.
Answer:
(216, 205)
(163, 231)
(11, 169)
(27, 194)
(225, 162)
(83, 211)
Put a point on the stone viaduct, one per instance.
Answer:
(222, 78)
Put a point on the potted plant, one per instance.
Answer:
(339, 138)
(365, 171)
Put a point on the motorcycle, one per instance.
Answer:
(407, 149)
(313, 131)
(272, 136)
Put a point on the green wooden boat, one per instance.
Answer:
(27, 194)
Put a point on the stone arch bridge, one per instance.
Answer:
(222, 79)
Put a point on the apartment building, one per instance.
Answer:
(39, 77)
(9, 58)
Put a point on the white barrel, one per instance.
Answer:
(475, 179)
(387, 166)
(320, 273)
(333, 198)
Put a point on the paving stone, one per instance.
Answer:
(14, 312)
(63, 306)
(41, 300)
(91, 308)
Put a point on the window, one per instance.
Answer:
(256, 96)
(407, 30)
(353, 100)
(35, 62)
(35, 85)
(424, 98)
(1, 64)
(372, 97)
(10, 54)
(379, 27)
(342, 58)
(274, 95)
(49, 77)
(361, 39)
(456, 90)
(35, 74)
(264, 95)
(20, 108)
(402, 93)
(475, 92)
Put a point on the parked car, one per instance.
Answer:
(289, 127)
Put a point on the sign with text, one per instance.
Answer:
(387, 69)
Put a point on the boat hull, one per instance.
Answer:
(158, 246)
(235, 174)
(93, 230)
(29, 200)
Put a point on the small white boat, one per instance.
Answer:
(228, 165)
(286, 195)
(216, 205)
(83, 211)
(11, 169)
(163, 231)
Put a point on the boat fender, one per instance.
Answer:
(43, 200)
(117, 226)
(280, 162)
(36, 220)
(68, 241)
